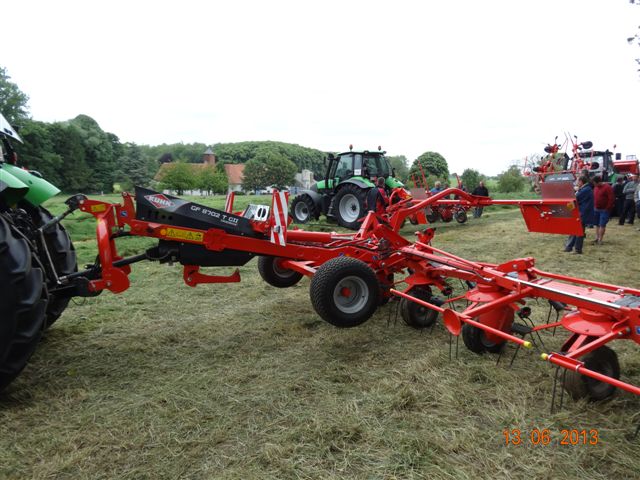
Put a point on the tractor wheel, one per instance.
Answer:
(475, 340)
(417, 316)
(303, 209)
(63, 256)
(345, 292)
(602, 360)
(274, 274)
(349, 206)
(23, 301)
(461, 216)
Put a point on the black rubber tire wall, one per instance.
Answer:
(23, 302)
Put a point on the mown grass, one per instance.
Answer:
(246, 381)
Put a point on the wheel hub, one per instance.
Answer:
(349, 208)
(350, 294)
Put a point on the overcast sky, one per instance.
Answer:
(481, 82)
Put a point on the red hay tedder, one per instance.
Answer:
(353, 274)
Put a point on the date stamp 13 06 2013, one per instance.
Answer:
(547, 436)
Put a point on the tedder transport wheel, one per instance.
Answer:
(475, 340)
(348, 206)
(274, 274)
(602, 360)
(303, 209)
(417, 316)
(345, 292)
(23, 302)
(461, 216)
(63, 256)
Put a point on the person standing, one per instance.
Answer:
(584, 195)
(480, 191)
(603, 200)
(436, 188)
(628, 211)
(619, 197)
(377, 199)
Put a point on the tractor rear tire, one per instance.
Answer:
(417, 316)
(275, 275)
(23, 302)
(461, 216)
(349, 206)
(303, 209)
(63, 256)
(345, 292)
(475, 340)
(602, 360)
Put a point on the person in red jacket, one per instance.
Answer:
(603, 200)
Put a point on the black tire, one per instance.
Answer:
(432, 215)
(461, 216)
(417, 316)
(475, 340)
(63, 256)
(349, 206)
(303, 209)
(23, 301)
(603, 360)
(276, 276)
(345, 292)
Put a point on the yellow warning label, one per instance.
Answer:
(98, 208)
(180, 234)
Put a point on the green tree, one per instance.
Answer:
(133, 167)
(433, 165)
(211, 179)
(180, 177)
(38, 153)
(470, 178)
(101, 152)
(67, 143)
(399, 164)
(511, 180)
(268, 168)
(13, 102)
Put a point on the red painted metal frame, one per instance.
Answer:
(595, 304)
(378, 244)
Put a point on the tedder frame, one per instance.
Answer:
(352, 274)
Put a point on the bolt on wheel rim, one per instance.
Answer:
(350, 295)
(349, 208)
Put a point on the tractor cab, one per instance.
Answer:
(593, 163)
(363, 165)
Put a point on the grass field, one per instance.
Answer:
(246, 381)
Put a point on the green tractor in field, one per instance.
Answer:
(343, 191)
(35, 251)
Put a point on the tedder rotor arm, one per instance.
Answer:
(595, 313)
(548, 215)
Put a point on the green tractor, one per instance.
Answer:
(35, 251)
(343, 191)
